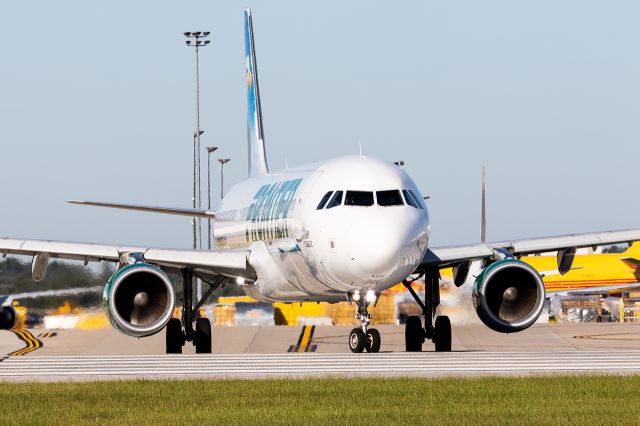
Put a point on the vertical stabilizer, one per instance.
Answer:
(257, 155)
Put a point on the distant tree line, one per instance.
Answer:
(615, 248)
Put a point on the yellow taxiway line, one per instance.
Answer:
(29, 339)
(304, 341)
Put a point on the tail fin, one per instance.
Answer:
(255, 137)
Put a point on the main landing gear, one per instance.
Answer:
(180, 331)
(364, 338)
(440, 332)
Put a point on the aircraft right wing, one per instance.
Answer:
(453, 255)
(229, 263)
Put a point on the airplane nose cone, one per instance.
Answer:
(375, 251)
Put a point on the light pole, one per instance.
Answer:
(210, 149)
(222, 161)
(194, 198)
(197, 42)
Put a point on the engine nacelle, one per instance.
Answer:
(139, 299)
(508, 295)
(8, 317)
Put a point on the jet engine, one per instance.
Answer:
(508, 295)
(8, 317)
(139, 299)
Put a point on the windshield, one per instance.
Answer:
(389, 198)
(324, 200)
(336, 200)
(358, 198)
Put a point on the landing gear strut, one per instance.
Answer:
(440, 332)
(364, 338)
(180, 331)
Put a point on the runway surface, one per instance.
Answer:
(424, 364)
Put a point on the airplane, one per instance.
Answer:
(12, 314)
(344, 229)
(611, 272)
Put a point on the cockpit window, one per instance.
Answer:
(409, 199)
(416, 199)
(324, 200)
(358, 198)
(389, 198)
(336, 200)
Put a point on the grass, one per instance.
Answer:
(483, 401)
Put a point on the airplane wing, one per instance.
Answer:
(228, 263)
(591, 290)
(451, 256)
(206, 214)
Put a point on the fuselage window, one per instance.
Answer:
(416, 199)
(389, 198)
(409, 199)
(358, 198)
(324, 200)
(336, 200)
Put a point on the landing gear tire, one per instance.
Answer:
(357, 340)
(442, 337)
(202, 338)
(413, 334)
(175, 337)
(373, 341)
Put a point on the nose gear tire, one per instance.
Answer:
(357, 340)
(373, 341)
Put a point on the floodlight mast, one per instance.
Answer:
(222, 161)
(210, 149)
(196, 40)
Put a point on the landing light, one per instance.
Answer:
(356, 296)
(240, 280)
(370, 297)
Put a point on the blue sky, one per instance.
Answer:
(97, 102)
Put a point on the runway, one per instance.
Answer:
(299, 365)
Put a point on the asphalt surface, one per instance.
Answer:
(261, 352)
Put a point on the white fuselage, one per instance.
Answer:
(372, 239)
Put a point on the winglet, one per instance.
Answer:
(255, 135)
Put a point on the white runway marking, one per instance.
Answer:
(422, 364)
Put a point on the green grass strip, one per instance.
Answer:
(478, 401)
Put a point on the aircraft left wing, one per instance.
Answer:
(453, 255)
(205, 214)
(228, 263)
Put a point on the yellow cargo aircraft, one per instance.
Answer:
(596, 272)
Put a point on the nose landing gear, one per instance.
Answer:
(440, 332)
(364, 338)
